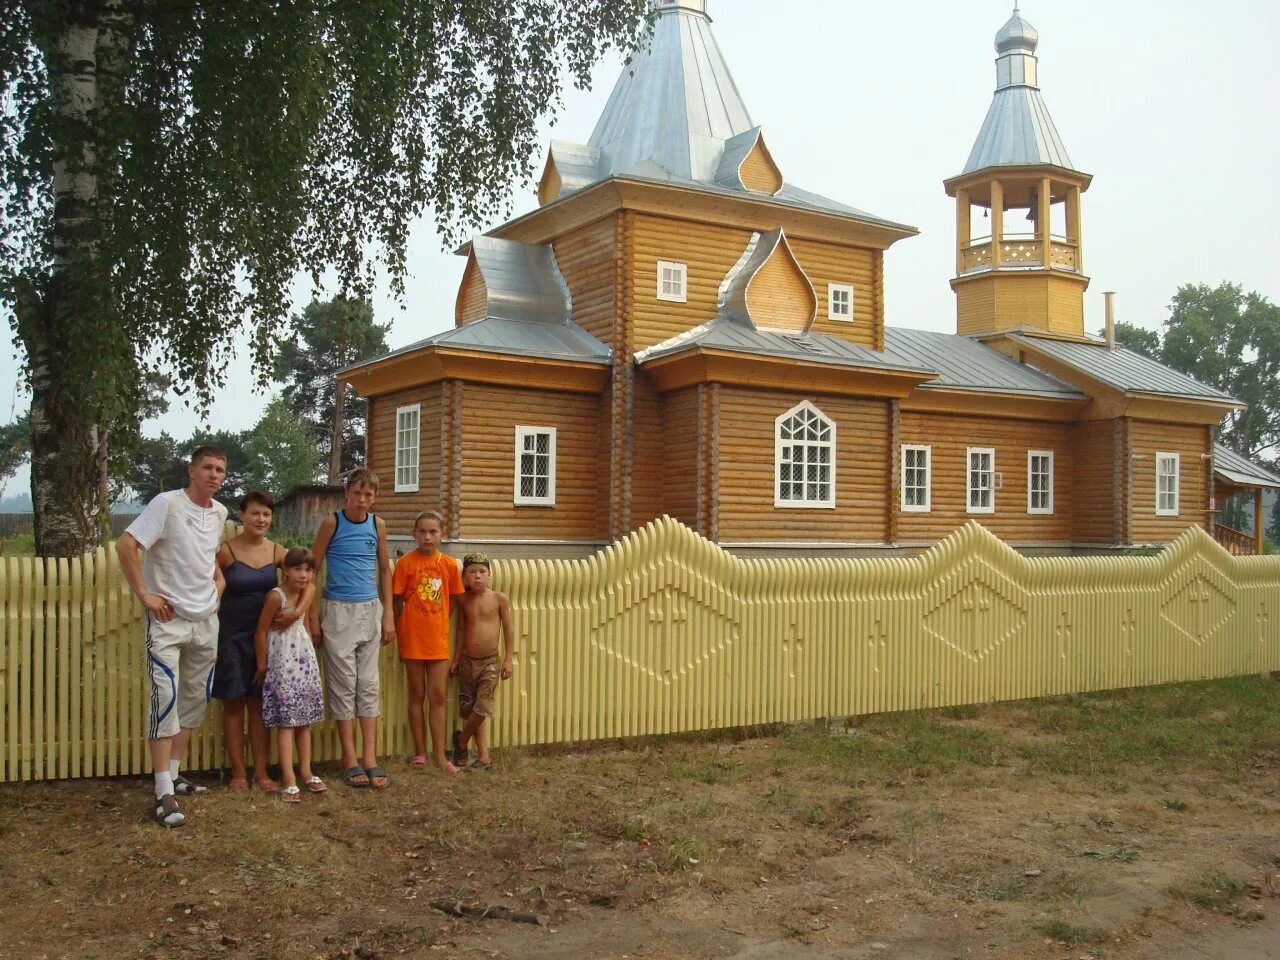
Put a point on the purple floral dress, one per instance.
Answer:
(291, 694)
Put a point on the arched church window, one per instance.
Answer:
(804, 458)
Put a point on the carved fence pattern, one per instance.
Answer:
(665, 632)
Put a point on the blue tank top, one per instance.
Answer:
(351, 560)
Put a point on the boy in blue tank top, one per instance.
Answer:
(355, 622)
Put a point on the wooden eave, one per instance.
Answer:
(1109, 402)
(992, 404)
(747, 210)
(704, 365)
(432, 363)
(1031, 171)
(977, 275)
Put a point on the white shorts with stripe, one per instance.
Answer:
(180, 658)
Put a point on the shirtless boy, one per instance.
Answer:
(484, 613)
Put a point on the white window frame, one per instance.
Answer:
(970, 490)
(927, 450)
(523, 500)
(408, 456)
(680, 276)
(832, 290)
(778, 446)
(1031, 459)
(1176, 460)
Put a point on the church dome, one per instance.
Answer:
(1017, 35)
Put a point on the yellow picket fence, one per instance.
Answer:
(665, 632)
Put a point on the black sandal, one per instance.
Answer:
(166, 807)
(185, 788)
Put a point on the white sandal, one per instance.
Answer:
(291, 794)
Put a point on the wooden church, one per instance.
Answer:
(679, 330)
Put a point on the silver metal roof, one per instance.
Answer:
(956, 363)
(577, 164)
(1123, 369)
(566, 341)
(675, 115)
(527, 313)
(966, 364)
(523, 338)
(1018, 128)
(788, 195)
(675, 103)
(1017, 34)
(725, 334)
(735, 151)
(1241, 471)
(732, 299)
(522, 280)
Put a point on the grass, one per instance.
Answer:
(1219, 894)
(18, 545)
(1069, 934)
(1013, 816)
(1216, 725)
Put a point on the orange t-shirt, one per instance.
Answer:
(427, 585)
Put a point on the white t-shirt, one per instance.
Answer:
(181, 541)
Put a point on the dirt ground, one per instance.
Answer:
(1127, 826)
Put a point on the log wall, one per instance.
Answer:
(589, 259)
(744, 503)
(399, 509)
(489, 418)
(1147, 438)
(1098, 475)
(473, 296)
(827, 263)
(950, 436)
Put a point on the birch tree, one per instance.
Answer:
(168, 167)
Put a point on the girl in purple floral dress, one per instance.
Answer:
(292, 697)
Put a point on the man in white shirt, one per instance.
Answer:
(180, 585)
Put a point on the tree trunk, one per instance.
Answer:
(67, 433)
(66, 455)
(335, 432)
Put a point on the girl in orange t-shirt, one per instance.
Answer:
(425, 583)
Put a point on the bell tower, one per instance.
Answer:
(1020, 263)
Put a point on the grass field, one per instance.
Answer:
(1132, 824)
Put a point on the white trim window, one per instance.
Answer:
(917, 469)
(408, 430)
(673, 281)
(535, 481)
(1168, 469)
(840, 302)
(1039, 481)
(981, 485)
(804, 459)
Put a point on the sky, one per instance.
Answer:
(1167, 104)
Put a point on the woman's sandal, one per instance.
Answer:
(377, 773)
(418, 760)
(267, 786)
(349, 777)
(316, 785)
(291, 794)
(237, 784)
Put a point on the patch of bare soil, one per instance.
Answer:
(1017, 831)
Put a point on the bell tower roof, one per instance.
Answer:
(1018, 129)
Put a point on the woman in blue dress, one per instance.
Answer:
(249, 562)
